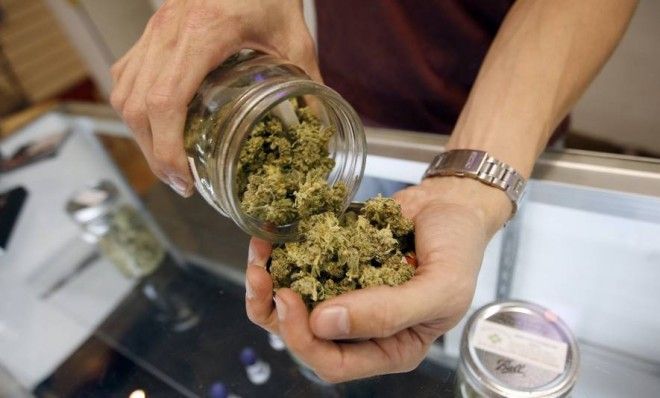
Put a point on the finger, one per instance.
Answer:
(259, 252)
(134, 116)
(337, 362)
(116, 71)
(259, 286)
(309, 62)
(299, 46)
(411, 200)
(120, 96)
(259, 298)
(132, 108)
(303, 54)
(168, 99)
(129, 71)
(143, 139)
(163, 40)
(130, 112)
(120, 65)
(380, 311)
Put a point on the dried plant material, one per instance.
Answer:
(130, 244)
(382, 212)
(337, 255)
(282, 170)
(282, 177)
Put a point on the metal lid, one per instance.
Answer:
(518, 349)
(92, 202)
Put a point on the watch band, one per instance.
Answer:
(482, 167)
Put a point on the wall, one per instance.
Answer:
(37, 50)
(623, 103)
(101, 31)
(119, 22)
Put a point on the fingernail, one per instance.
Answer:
(249, 292)
(252, 258)
(251, 255)
(333, 322)
(280, 307)
(180, 186)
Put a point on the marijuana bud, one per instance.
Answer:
(283, 170)
(282, 178)
(340, 254)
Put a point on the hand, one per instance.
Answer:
(454, 220)
(184, 40)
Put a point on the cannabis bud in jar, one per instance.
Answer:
(283, 169)
(262, 139)
(371, 247)
(282, 177)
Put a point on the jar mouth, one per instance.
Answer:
(347, 147)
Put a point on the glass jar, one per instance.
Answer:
(121, 233)
(516, 349)
(230, 102)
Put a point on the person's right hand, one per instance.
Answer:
(392, 328)
(184, 40)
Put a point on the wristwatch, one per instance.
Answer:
(482, 167)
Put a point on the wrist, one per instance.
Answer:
(489, 204)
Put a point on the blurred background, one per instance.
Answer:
(54, 50)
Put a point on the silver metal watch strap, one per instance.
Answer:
(482, 167)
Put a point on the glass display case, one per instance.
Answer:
(586, 244)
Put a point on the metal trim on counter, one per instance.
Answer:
(632, 174)
(508, 257)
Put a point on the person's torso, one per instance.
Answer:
(406, 64)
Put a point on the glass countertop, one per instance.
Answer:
(147, 345)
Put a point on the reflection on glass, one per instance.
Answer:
(120, 231)
(123, 237)
(129, 243)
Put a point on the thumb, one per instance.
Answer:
(259, 252)
(301, 51)
(377, 311)
(306, 59)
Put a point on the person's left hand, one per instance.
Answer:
(454, 220)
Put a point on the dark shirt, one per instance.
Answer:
(406, 64)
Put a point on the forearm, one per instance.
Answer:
(543, 57)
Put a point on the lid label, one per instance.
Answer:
(521, 346)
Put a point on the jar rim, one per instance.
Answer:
(256, 103)
(92, 202)
(482, 380)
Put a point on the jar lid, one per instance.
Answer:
(518, 349)
(92, 202)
